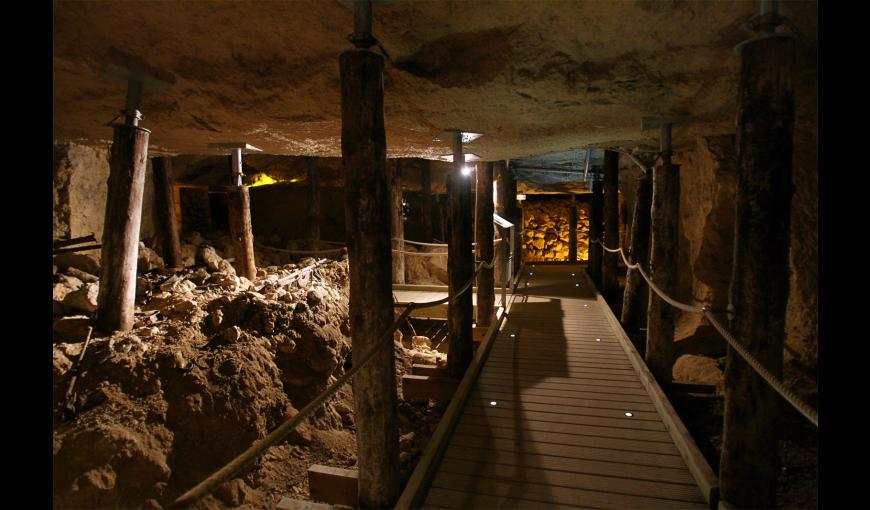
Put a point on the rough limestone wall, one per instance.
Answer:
(546, 227)
(80, 182)
(802, 312)
(708, 188)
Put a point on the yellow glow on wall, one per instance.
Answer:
(262, 179)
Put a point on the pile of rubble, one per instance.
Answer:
(546, 230)
(214, 362)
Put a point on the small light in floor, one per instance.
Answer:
(492, 403)
(597, 339)
(577, 285)
(585, 305)
(513, 335)
(629, 414)
(572, 274)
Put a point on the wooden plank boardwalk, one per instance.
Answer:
(562, 416)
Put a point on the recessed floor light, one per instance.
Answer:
(492, 402)
(585, 305)
(530, 274)
(513, 335)
(572, 274)
(577, 285)
(597, 339)
(629, 414)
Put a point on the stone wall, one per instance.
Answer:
(546, 228)
(707, 197)
(80, 177)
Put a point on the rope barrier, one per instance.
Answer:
(298, 252)
(707, 312)
(235, 466)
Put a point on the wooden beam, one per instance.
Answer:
(596, 212)
(397, 222)
(484, 235)
(665, 216)
(636, 297)
(333, 485)
(426, 200)
(572, 231)
(164, 207)
(423, 387)
(120, 243)
(460, 266)
(760, 278)
(611, 224)
(313, 205)
(428, 370)
(367, 213)
(239, 206)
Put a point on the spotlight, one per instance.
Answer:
(492, 403)
(466, 171)
(629, 414)
(513, 335)
(577, 285)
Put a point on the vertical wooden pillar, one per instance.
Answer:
(760, 277)
(426, 200)
(596, 212)
(507, 203)
(636, 296)
(484, 248)
(313, 205)
(572, 231)
(500, 209)
(367, 214)
(665, 217)
(164, 206)
(239, 205)
(397, 223)
(611, 224)
(460, 265)
(120, 250)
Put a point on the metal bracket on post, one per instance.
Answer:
(236, 149)
(664, 124)
(139, 77)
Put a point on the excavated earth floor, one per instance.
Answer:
(213, 363)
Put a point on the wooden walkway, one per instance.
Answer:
(562, 415)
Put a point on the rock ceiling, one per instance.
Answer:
(535, 76)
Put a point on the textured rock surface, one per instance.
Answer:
(546, 230)
(79, 191)
(533, 80)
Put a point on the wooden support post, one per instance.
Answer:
(164, 205)
(397, 221)
(750, 461)
(313, 205)
(572, 231)
(426, 200)
(460, 265)
(636, 297)
(442, 215)
(665, 215)
(506, 190)
(127, 164)
(595, 230)
(239, 206)
(514, 215)
(500, 205)
(484, 248)
(611, 225)
(367, 213)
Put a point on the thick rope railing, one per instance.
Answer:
(298, 252)
(243, 460)
(430, 253)
(788, 395)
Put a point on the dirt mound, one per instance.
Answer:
(207, 370)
